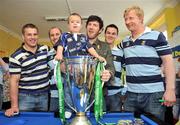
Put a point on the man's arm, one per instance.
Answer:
(108, 73)
(169, 73)
(59, 53)
(14, 82)
(4, 65)
(110, 65)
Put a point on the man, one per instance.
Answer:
(3, 70)
(94, 27)
(29, 81)
(54, 35)
(145, 50)
(116, 89)
(176, 107)
(6, 77)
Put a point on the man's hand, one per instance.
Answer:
(12, 111)
(105, 75)
(169, 97)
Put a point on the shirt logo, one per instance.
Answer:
(143, 42)
(69, 39)
(115, 57)
(82, 39)
(24, 57)
(78, 44)
(127, 43)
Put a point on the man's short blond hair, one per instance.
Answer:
(137, 9)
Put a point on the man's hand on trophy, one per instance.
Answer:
(63, 66)
(105, 75)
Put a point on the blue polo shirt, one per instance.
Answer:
(142, 59)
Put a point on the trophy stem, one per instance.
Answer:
(80, 119)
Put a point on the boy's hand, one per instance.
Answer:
(58, 57)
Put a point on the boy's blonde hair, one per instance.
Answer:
(74, 14)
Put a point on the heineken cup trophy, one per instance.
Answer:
(80, 71)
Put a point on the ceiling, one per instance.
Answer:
(15, 13)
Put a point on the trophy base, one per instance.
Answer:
(80, 119)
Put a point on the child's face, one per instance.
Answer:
(75, 24)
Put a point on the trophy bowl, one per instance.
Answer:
(80, 72)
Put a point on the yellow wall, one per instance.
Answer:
(45, 42)
(8, 43)
(169, 17)
(177, 10)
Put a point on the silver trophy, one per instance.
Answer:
(80, 72)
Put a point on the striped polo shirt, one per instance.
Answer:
(142, 58)
(33, 69)
(117, 54)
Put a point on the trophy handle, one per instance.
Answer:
(70, 106)
(90, 105)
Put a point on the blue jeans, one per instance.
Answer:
(114, 102)
(33, 102)
(67, 98)
(54, 104)
(145, 102)
(176, 109)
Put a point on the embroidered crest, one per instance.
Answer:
(24, 57)
(143, 42)
(115, 57)
(127, 43)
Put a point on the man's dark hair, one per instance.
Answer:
(29, 25)
(95, 18)
(113, 26)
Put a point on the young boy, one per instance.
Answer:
(73, 43)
